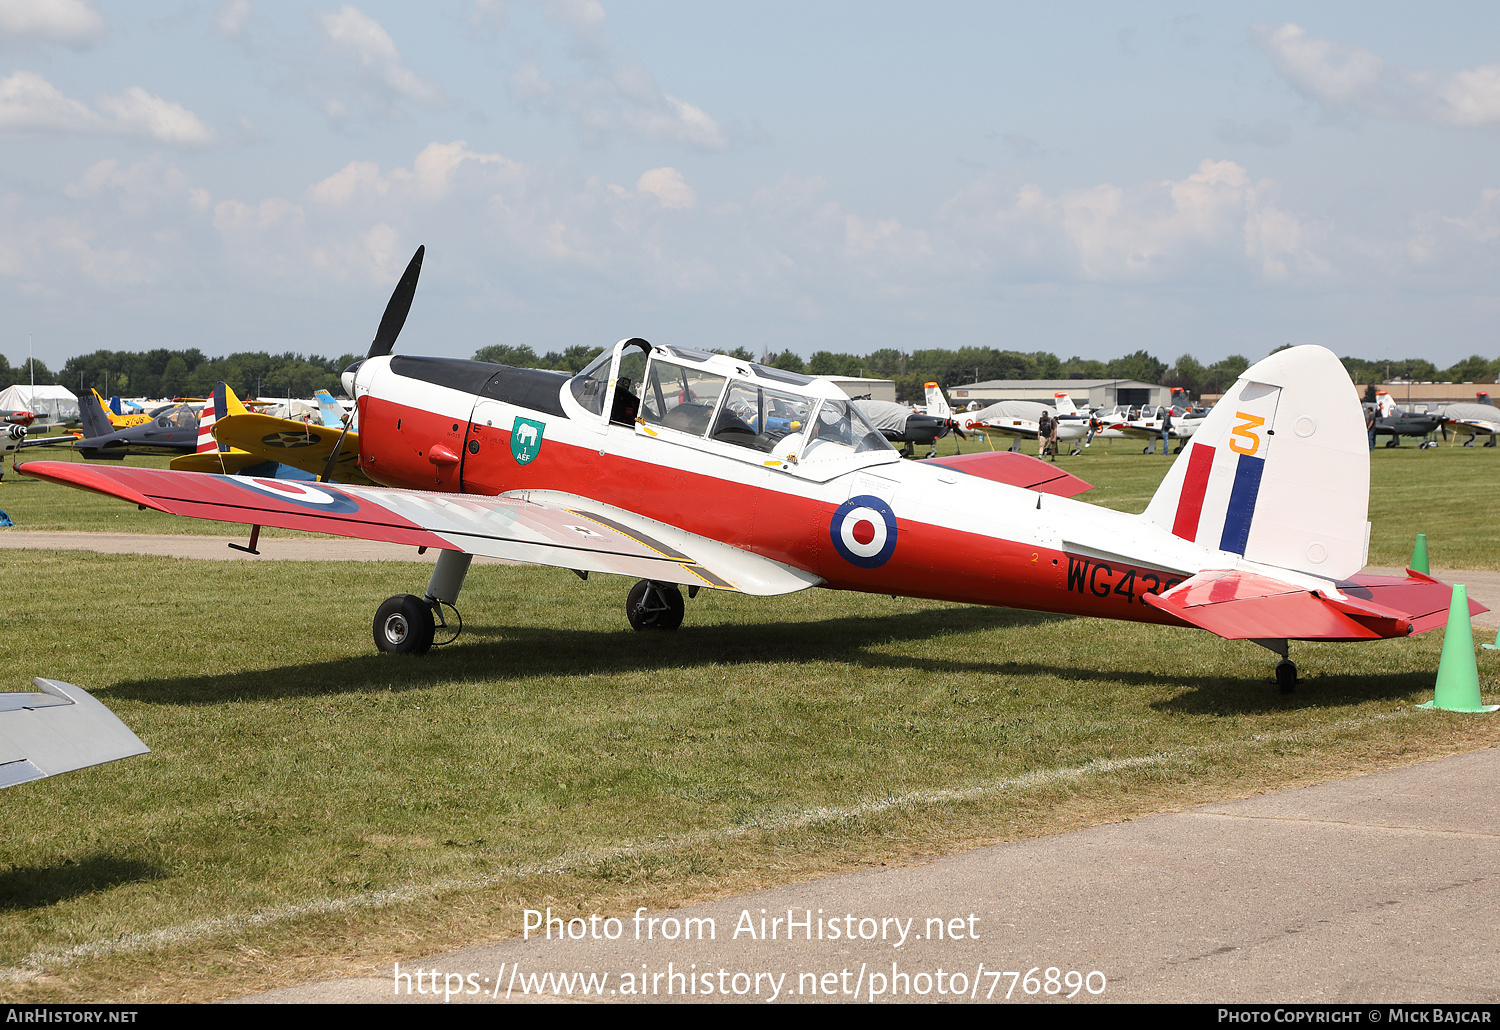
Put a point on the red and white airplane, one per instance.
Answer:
(678, 467)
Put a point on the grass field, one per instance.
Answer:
(312, 809)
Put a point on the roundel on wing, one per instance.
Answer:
(863, 531)
(293, 439)
(303, 494)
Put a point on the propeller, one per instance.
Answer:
(397, 309)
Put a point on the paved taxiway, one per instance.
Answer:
(1382, 888)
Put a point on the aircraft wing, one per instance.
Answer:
(291, 442)
(1015, 469)
(561, 530)
(56, 730)
(228, 462)
(1240, 605)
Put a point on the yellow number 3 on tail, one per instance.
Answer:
(1243, 438)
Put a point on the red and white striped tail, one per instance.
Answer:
(206, 419)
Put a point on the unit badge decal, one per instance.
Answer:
(526, 440)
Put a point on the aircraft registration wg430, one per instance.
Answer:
(679, 467)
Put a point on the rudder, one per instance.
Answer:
(1279, 471)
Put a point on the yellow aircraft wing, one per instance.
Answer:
(298, 444)
(228, 463)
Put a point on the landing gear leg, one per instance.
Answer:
(406, 624)
(653, 605)
(1286, 669)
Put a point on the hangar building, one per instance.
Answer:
(1096, 393)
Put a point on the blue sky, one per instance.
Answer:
(1086, 179)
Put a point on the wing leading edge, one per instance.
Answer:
(540, 529)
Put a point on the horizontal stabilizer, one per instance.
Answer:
(56, 730)
(1420, 600)
(1015, 469)
(1241, 605)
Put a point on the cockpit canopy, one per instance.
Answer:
(675, 392)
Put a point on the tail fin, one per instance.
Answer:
(95, 416)
(330, 409)
(1384, 404)
(206, 419)
(226, 403)
(1064, 404)
(1279, 471)
(937, 404)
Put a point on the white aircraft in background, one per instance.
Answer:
(1021, 420)
(1481, 418)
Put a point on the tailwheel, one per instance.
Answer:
(403, 625)
(653, 605)
(1286, 676)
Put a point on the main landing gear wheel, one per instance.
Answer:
(403, 625)
(1286, 676)
(652, 605)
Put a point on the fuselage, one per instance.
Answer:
(867, 521)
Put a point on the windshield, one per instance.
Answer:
(838, 430)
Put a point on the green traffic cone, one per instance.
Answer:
(1457, 687)
(1419, 555)
(1495, 646)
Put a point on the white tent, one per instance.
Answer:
(49, 403)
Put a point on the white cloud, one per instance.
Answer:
(886, 236)
(231, 18)
(139, 113)
(357, 35)
(72, 23)
(29, 103)
(137, 187)
(668, 186)
(1175, 229)
(430, 177)
(610, 95)
(1343, 77)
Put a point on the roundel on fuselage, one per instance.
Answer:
(299, 493)
(863, 531)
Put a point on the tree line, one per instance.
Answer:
(189, 373)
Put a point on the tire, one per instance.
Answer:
(403, 625)
(657, 606)
(1286, 677)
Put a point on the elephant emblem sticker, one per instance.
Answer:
(526, 440)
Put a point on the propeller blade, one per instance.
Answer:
(397, 309)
